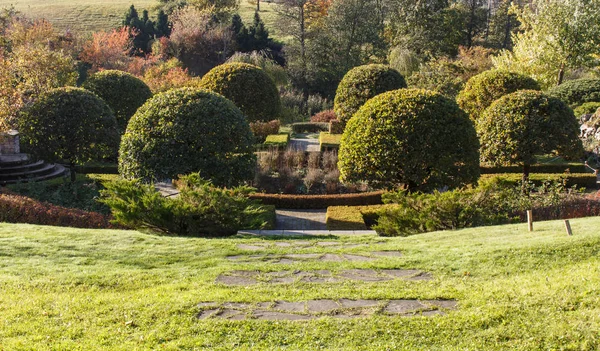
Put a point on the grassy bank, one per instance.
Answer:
(72, 289)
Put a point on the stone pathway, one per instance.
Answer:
(300, 244)
(246, 278)
(311, 309)
(309, 145)
(324, 257)
(301, 219)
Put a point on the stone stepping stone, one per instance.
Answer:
(289, 306)
(253, 247)
(319, 306)
(357, 258)
(304, 310)
(307, 256)
(246, 278)
(346, 303)
(387, 253)
(278, 316)
(404, 306)
(331, 258)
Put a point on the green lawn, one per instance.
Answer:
(80, 16)
(73, 289)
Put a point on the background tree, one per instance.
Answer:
(70, 125)
(33, 59)
(518, 127)
(558, 35)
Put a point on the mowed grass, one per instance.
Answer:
(87, 16)
(73, 289)
(82, 17)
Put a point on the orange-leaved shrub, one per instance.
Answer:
(21, 209)
(323, 116)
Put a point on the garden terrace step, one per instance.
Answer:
(28, 173)
(47, 172)
(14, 160)
(20, 168)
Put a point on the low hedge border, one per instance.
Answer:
(351, 217)
(310, 127)
(99, 169)
(278, 140)
(318, 201)
(329, 141)
(586, 180)
(538, 168)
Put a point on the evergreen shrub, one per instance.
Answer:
(362, 83)
(123, 92)
(483, 89)
(248, 86)
(188, 130)
(410, 137)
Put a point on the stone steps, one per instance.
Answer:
(19, 168)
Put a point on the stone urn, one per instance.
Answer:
(9, 143)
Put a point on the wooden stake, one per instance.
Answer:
(530, 220)
(568, 227)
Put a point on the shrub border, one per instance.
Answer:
(319, 201)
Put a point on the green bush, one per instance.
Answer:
(188, 130)
(362, 83)
(248, 86)
(200, 209)
(484, 88)
(310, 127)
(586, 109)
(577, 92)
(579, 180)
(416, 138)
(70, 125)
(123, 92)
(519, 126)
(336, 127)
(495, 201)
(278, 140)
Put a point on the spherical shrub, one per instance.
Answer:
(362, 83)
(248, 86)
(188, 130)
(521, 125)
(69, 125)
(483, 89)
(577, 92)
(413, 137)
(123, 92)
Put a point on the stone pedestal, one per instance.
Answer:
(9, 143)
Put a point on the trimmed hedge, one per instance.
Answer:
(184, 131)
(336, 127)
(586, 180)
(587, 108)
(123, 92)
(310, 127)
(538, 168)
(329, 141)
(577, 92)
(21, 209)
(350, 217)
(361, 84)
(110, 168)
(248, 86)
(411, 137)
(278, 140)
(261, 130)
(318, 201)
(483, 89)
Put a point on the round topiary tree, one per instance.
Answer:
(362, 83)
(248, 86)
(521, 125)
(413, 137)
(70, 125)
(188, 130)
(123, 92)
(483, 89)
(577, 92)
